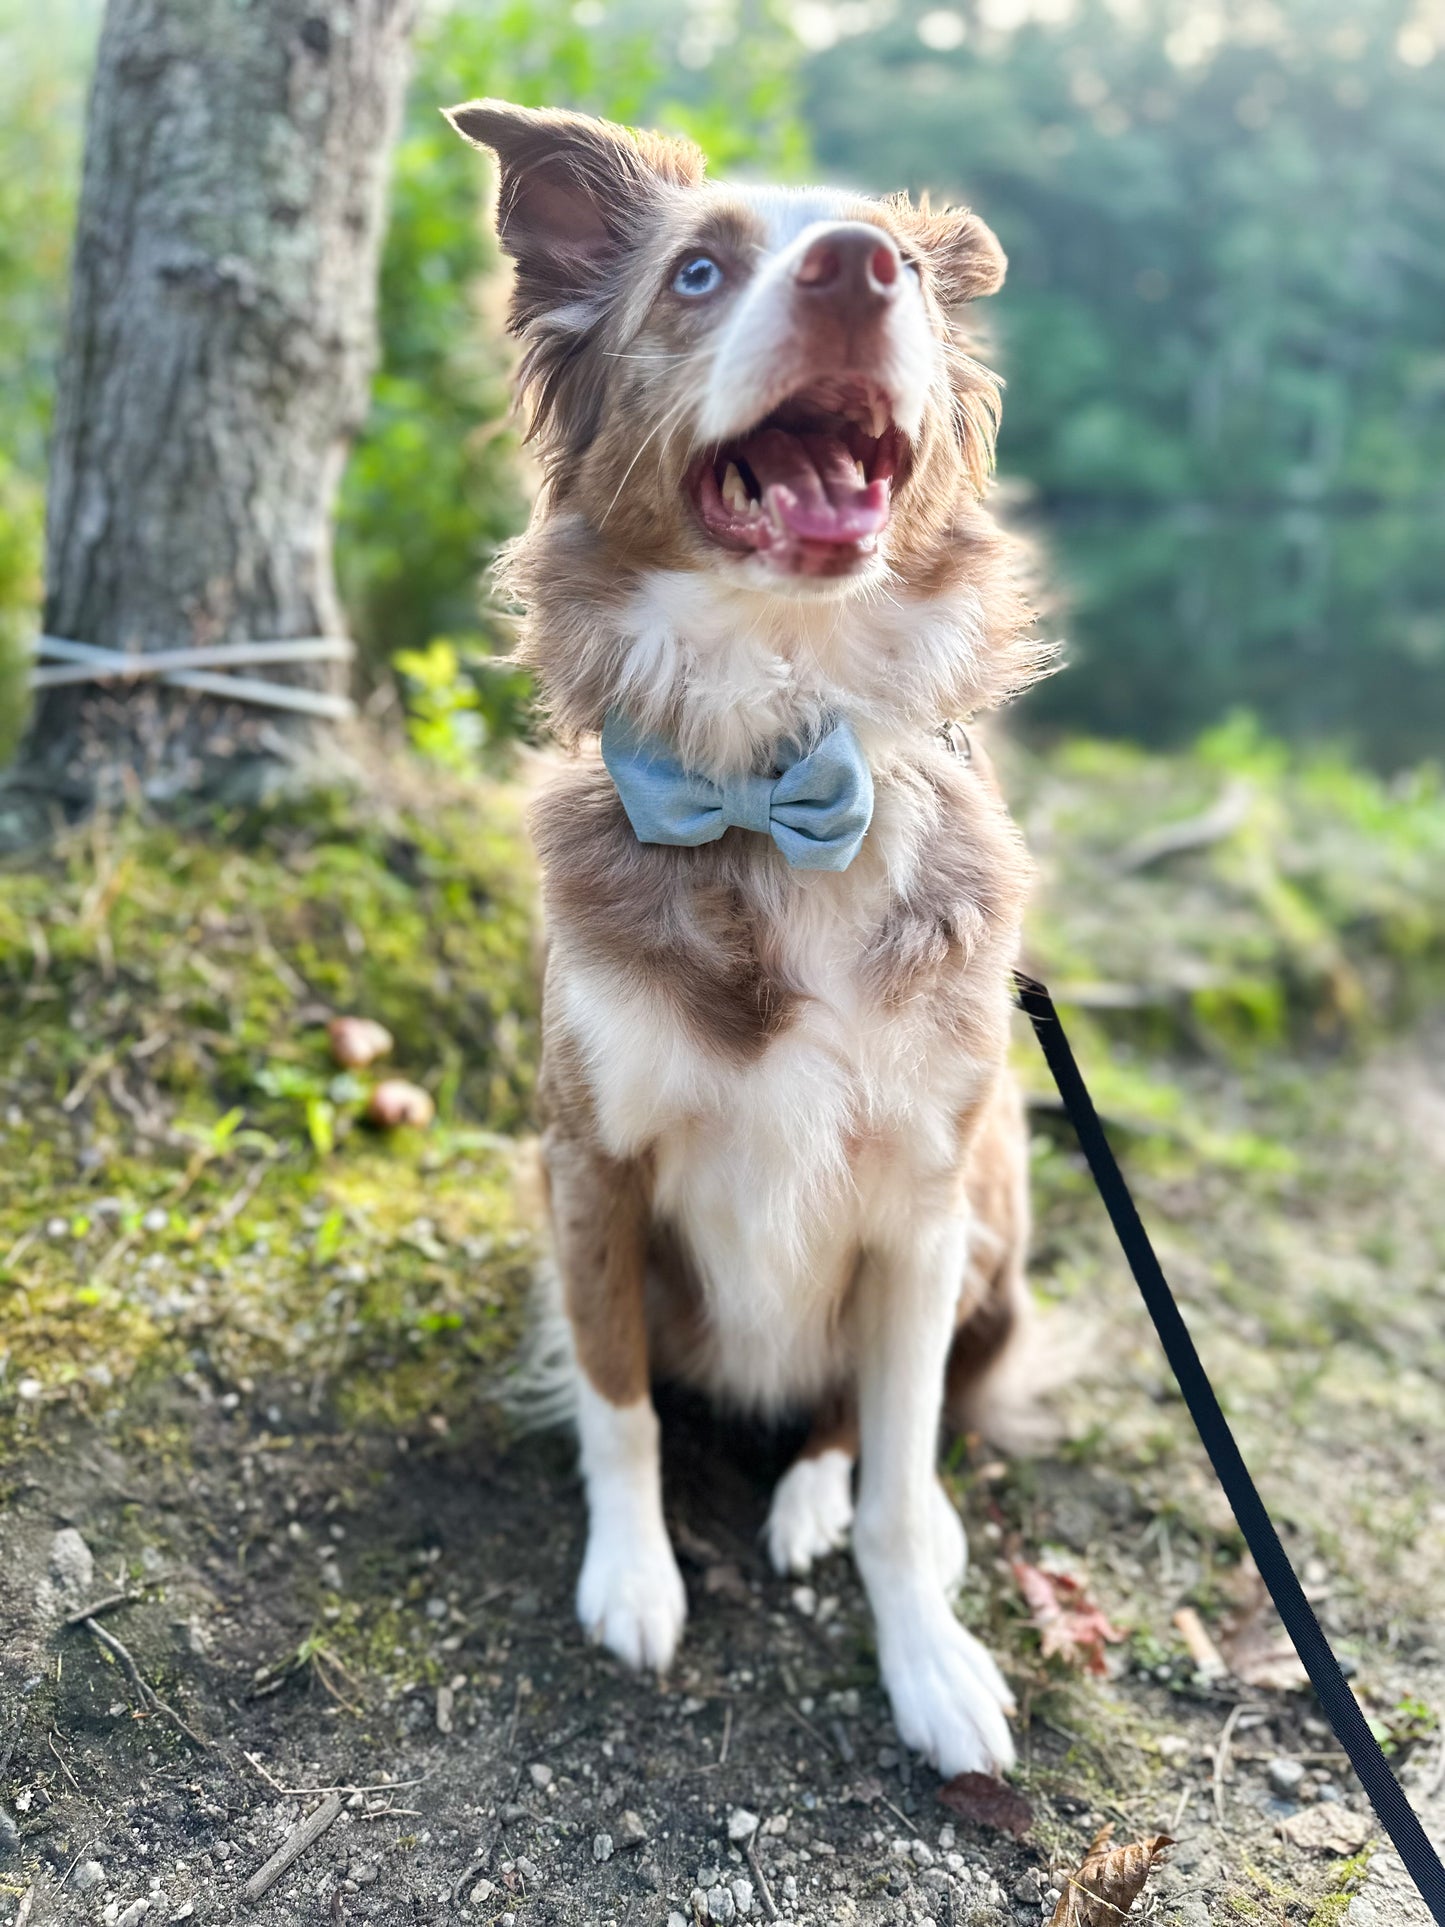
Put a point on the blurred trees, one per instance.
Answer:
(1222, 332)
(1226, 405)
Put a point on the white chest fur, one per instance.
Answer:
(778, 1170)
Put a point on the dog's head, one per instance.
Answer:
(764, 383)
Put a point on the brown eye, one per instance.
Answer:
(699, 277)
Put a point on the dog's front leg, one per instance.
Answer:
(949, 1698)
(630, 1595)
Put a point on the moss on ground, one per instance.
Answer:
(186, 1180)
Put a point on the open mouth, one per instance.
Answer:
(811, 486)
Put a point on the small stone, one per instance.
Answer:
(185, 1911)
(602, 1847)
(947, 1839)
(631, 1829)
(922, 1853)
(935, 1879)
(742, 1825)
(1285, 1777)
(57, 1227)
(72, 1566)
(707, 1877)
(363, 1872)
(697, 1900)
(482, 1892)
(131, 1916)
(742, 1892)
(1327, 1793)
(446, 1707)
(540, 1774)
(29, 1390)
(805, 1601)
(675, 1919)
(528, 1869)
(720, 1903)
(790, 1887)
(9, 1832)
(156, 1219)
(88, 1874)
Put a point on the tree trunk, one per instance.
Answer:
(217, 361)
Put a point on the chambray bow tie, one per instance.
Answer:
(816, 807)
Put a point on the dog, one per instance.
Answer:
(785, 1160)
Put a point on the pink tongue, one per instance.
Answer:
(810, 485)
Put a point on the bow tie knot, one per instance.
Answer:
(816, 806)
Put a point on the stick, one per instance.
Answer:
(1221, 1752)
(727, 1733)
(293, 1846)
(148, 1697)
(106, 1605)
(304, 1792)
(765, 1892)
(59, 1761)
(26, 1903)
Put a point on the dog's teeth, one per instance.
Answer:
(879, 424)
(862, 473)
(734, 490)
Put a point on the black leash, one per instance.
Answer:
(1387, 1796)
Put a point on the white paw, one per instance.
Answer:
(811, 1512)
(950, 1543)
(949, 1698)
(631, 1599)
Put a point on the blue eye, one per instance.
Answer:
(698, 277)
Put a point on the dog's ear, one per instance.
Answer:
(962, 250)
(572, 191)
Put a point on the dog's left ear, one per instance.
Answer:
(572, 192)
(962, 249)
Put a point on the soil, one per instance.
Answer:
(250, 1387)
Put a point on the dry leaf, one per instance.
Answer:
(1070, 1623)
(1327, 1828)
(395, 1102)
(358, 1041)
(1254, 1643)
(988, 1803)
(1111, 1879)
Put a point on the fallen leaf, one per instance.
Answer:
(988, 1803)
(394, 1102)
(1327, 1828)
(1071, 1625)
(1253, 1641)
(1111, 1879)
(358, 1041)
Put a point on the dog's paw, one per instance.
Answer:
(811, 1512)
(949, 1698)
(631, 1599)
(950, 1543)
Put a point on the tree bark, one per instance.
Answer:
(218, 359)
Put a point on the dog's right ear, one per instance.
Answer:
(572, 192)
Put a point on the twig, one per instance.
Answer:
(59, 1761)
(148, 1697)
(27, 1901)
(303, 1792)
(390, 1813)
(722, 1756)
(301, 1836)
(1221, 1753)
(99, 1606)
(809, 1727)
(1213, 825)
(765, 1892)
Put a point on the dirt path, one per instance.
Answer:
(356, 1609)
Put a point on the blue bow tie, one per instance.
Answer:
(816, 808)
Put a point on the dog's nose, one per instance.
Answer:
(854, 266)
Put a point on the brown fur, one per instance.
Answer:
(700, 929)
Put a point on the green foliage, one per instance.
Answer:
(172, 1121)
(1227, 394)
(437, 481)
(42, 73)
